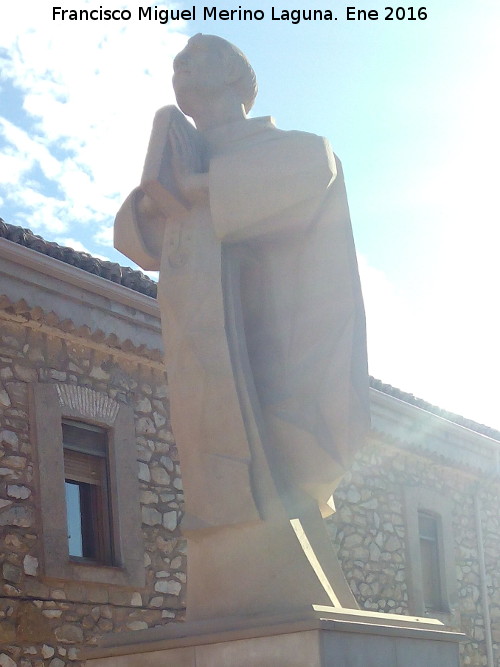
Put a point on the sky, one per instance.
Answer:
(411, 107)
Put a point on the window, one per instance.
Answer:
(430, 557)
(88, 507)
(88, 484)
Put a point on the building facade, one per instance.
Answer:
(91, 489)
(418, 523)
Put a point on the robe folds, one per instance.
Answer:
(262, 319)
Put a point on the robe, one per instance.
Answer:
(263, 323)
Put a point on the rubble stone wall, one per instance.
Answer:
(45, 622)
(369, 530)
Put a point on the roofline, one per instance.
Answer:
(385, 399)
(78, 277)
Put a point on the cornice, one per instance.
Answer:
(412, 428)
(50, 323)
(77, 277)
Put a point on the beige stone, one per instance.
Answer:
(69, 633)
(4, 398)
(11, 573)
(324, 638)
(263, 326)
(17, 515)
(30, 565)
(5, 661)
(21, 492)
(56, 662)
(47, 651)
(168, 587)
(170, 520)
(151, 516)
(160, 476)
(137, 625)
(136, 600)
(10, 438)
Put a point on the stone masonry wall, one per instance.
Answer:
(45, 622)
(369, 531)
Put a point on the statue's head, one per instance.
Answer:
(210, 67)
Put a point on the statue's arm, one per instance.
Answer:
(170, 184)
(271, 187)
(173, 175)
(138, 231)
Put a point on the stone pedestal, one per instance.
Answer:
(323, 637)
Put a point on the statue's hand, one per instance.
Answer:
(192, 184)
(147, 207)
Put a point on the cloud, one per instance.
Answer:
(89, 91)
(440, 346)
(391, 325)
(104, 236)
(433, 326)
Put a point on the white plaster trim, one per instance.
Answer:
(78, 277)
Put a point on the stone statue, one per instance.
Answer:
(264, 335)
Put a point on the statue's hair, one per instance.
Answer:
(246, 83)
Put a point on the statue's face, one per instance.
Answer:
(199, 73)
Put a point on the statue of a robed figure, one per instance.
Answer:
(264, 336)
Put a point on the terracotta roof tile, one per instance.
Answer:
(424, 405)
(123, 275)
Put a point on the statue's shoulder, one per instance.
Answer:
(307, 140)
(308, 147)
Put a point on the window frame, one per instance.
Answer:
(433, 599)
(50, 405)
(95, 510)
(420, 500)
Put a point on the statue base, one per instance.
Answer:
(321, 637)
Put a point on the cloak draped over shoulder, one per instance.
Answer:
(262, 318)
